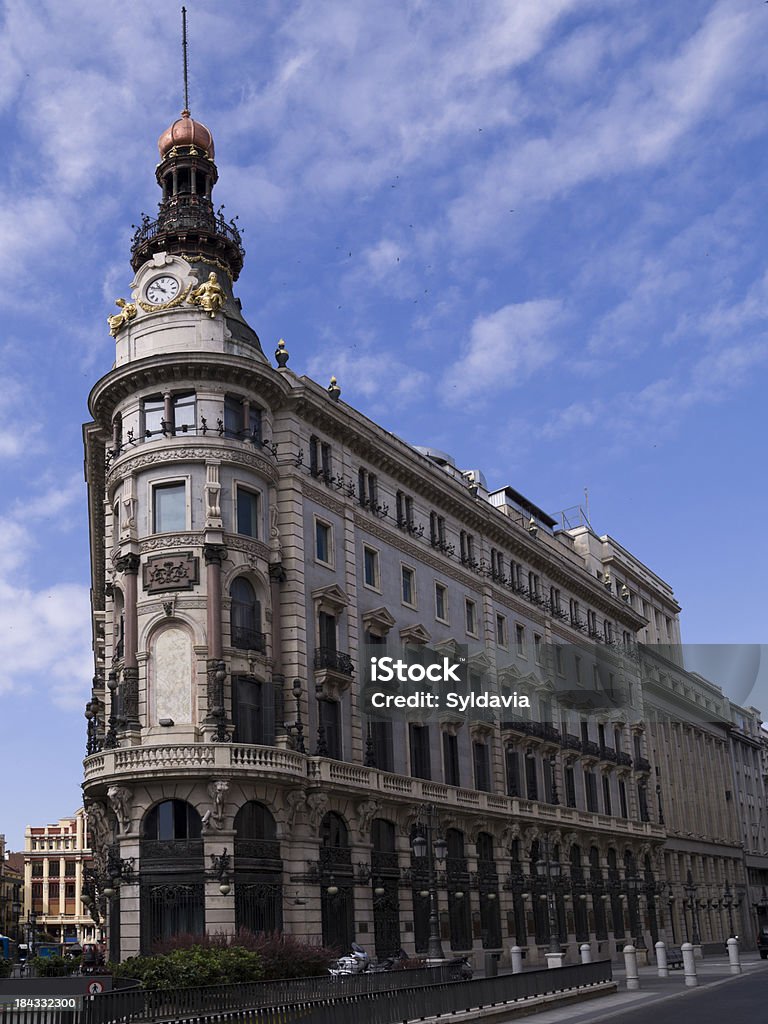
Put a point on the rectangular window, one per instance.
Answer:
(590, 783)
(421, 767)
(153, 410)
(531, 777)
(326, 627)
(513, 772)
(467, 548)
(501, 631)
(323, 542)
(69, 868)
(247, 512)
(623, 798)
(169, 507)
(482, 763)
(607, 794)
(371, 567)
(451, 759)
(549, 781)
(253, 710)
(570, 786)
(554, 601)
(471, 616)
(404, 511)
(367, 489)
(520, 639)
(408, 585)
(577, 668)
(537, 649)
(441, 602)
(534, 588)
(381, 739)
(437, 531)
(575, 613)
(37, 869)
(69, 890)
(330, 723)
(320, 461)
(559, 660)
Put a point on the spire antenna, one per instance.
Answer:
(185, 56)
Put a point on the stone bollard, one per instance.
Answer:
(585, 951)
(516, 955)
(689, 965)
(661, 960)
(733, 955)
(630, 964)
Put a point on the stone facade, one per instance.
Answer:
(56, 858)
(252, 538)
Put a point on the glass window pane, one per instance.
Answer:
(233, 417)
(184, 412)
(247, 513)
(169, 508)
(153, 415)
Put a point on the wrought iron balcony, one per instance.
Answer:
(608, 754)
(570, 742)
(249, 639)
(591, 748)
(642, 765)
(335, 661)
(334, 858)
(186, 212)
(624, 759)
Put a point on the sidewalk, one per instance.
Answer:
(711, 972)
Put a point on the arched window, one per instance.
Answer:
(171, 874)
(172, 820)
(258, 870)
(246, 616)
(384, 882)
(336, 883)
(334, 833)
(255, 821)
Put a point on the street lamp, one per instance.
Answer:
(32, 930)
(425, 845)
(548, 870)
(690, 892)
(761, 909)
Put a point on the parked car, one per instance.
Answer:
(762, 943)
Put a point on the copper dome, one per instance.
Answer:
(186, 132)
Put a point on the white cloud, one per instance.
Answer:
(505, 348)
(44, 630)
(380, 377)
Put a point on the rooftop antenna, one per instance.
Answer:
(185, 56)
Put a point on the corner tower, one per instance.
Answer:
(182, 478)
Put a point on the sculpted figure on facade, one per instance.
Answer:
(209, 295)
(117, 321)
(214, 816)
(120, 797)
(366, 811)
(318, 805)
(295, 805)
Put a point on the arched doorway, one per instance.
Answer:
(457, 877)
(384, 880)
(488, 884)
(172, 874)
(336, 883)
(258, 870)
(580, 920)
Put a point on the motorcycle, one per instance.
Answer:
(356, 962)
(460, 969)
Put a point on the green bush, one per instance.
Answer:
(51, 966)
(188, 968)
(6, 966)
(190, 960)
(283, 956)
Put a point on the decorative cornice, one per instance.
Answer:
(128, 564)
(321, 497)
(176, 451)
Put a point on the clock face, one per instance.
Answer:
(162, 289)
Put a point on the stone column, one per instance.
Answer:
(128, 564)
(214, 555)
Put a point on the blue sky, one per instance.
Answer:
(529, 233)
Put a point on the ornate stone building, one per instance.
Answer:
(252, 538)
(56, 862)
